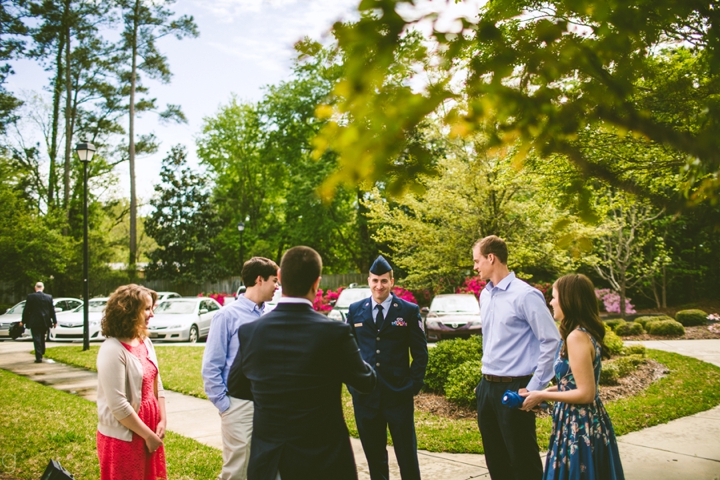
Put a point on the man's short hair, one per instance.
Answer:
(257, 266)
(300, 267)
(495, 245)
(39, 285)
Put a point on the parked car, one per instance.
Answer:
(184, 319)
(454, 315)
(270, 305)
(167, 295)
(347, 297)
(70, 324)
(14, 314)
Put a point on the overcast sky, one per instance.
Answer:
(243, 46)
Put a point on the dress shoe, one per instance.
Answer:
(38, 361)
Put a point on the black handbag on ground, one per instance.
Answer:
(16, 330)
(55, 471)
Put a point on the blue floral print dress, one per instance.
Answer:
(582, 443)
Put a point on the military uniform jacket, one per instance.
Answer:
(388, 348)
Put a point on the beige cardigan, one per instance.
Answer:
(119, 393)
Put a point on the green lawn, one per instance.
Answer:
(40, 423)
(692, 386)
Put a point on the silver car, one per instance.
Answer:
(183, 319)
(14, 314)
(70, 324)
(453, 315)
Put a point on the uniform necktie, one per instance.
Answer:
(379, 317)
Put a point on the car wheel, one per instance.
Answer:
(193, 334)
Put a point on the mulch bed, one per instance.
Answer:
(630, 385)
(691, 333)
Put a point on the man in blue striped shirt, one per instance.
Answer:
(236, 415)
(519, 344)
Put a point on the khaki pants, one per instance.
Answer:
(236, 424)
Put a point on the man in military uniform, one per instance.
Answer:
(387, 329)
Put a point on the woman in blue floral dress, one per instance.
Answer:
(582, 443)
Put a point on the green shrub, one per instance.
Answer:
(651, 318)
(631, 328)
(613, 343)
(446, 357)
(610, 374)
(666, 328)
(627, 364)
(461, 383)
(614, 322)
(635, 350)
(691, 318)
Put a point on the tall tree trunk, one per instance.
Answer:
(622, 294)
(131, 143)
(55, 121)
(664, 287)
(68, 115)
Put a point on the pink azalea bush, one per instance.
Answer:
(324, 297)
(406, 295)
(217, 296)
(472, 285)
(611, 301)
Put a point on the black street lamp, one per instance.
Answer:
(241, 229)
(85, 152)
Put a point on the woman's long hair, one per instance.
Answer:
(576, 296)
(124, 315)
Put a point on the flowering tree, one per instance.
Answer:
(611, 301)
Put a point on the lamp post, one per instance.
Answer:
(85, 152)
(241, 229)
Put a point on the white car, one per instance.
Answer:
(167, 295)
(184, 319)
(70, 324)
(14, 314)
(347, 297)
(270, 305)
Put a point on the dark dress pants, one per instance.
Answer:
(38, 336)
(508, 434)
(372, 424)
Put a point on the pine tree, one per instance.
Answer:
(185, 224)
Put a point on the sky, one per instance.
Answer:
(244, 45)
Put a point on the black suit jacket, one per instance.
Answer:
(388, 349)
(296, 361)
(39, 311)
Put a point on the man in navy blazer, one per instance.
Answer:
(292, 362)
(388, 330)
(39, 316)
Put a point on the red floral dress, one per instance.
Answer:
(121, 460)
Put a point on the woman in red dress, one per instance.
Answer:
(130, 400)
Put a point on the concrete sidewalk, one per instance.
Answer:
(685, 448)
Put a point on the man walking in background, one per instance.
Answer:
(39, 316)
(388, 329)
(294, 361)
(519, 344)
(259, 275)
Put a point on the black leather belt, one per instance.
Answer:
(499, 379)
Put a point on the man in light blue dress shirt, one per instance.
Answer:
(260, 277)
(519, 344)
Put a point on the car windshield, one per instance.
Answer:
(351, 295)
(17, 309)
(95, 305)
(455, 303)
(175, 307)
